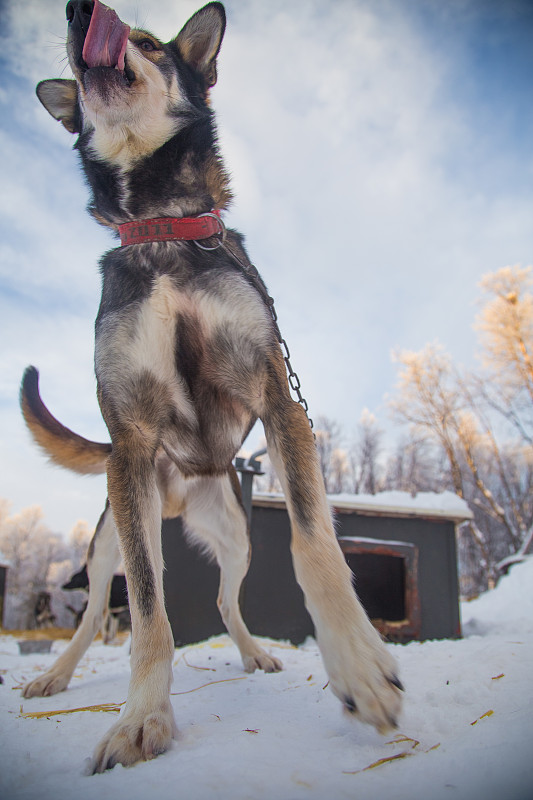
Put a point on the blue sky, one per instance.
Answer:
(382, 160)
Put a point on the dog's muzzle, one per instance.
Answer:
(97, 38)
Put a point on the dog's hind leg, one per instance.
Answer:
(215, 518)
(362, 673)
(146, 726)
(102, 560)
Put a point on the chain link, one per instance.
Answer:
(252, 274)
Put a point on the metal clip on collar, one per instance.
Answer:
(221, 233)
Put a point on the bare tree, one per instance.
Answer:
(78, 542)
(429, 399)
(338, 471)
(471, 417)
(433, 400)
(416, 465)
(505, 327)
(30, 548)
(39, 561)
(328, 439)
(364, 456)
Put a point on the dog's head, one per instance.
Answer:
(80, 580)
(132, 92)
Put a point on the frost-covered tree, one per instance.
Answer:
(505, 327)
(78, 542)
(327, 439)
(38, 561)
(416, 465)
(338, 471)
(365, 467)
(30, 548)
(429, 400)
(482, 421)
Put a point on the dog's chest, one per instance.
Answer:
(184, 335)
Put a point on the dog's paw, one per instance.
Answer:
(47, 684)
(259, 659)
(135, 738)
(364, 676)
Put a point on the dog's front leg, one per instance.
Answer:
(146, 726)
(362, 673)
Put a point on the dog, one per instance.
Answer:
(187, 357)
(42, 613)
(116, 615)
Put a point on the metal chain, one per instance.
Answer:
(252, 274)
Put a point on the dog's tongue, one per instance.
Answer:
(106, 40)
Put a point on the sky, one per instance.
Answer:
(382, 160)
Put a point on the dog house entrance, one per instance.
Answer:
(385, 579)
(380, 584)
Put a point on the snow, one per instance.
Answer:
(283, 736)
(446, 505)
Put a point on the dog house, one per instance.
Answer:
(401, 550)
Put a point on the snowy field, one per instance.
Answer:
(466, 731)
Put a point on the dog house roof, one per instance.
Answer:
(430, 505)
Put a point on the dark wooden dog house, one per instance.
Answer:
(401, 550)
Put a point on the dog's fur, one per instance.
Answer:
(187, 359)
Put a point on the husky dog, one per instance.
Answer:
(117, 613)
(187, 358)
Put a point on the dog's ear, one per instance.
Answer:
(200, 38)
(60, 98)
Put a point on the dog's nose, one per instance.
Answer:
(80, 11)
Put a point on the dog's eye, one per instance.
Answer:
(147, 45)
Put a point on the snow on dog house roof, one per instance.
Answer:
(429, 505)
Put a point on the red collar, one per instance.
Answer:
(165, 229)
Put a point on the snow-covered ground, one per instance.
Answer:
(466, 730)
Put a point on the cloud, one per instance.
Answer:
(378, 174)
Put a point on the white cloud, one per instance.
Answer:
(370, 201)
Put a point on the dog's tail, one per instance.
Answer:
(61, 445)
